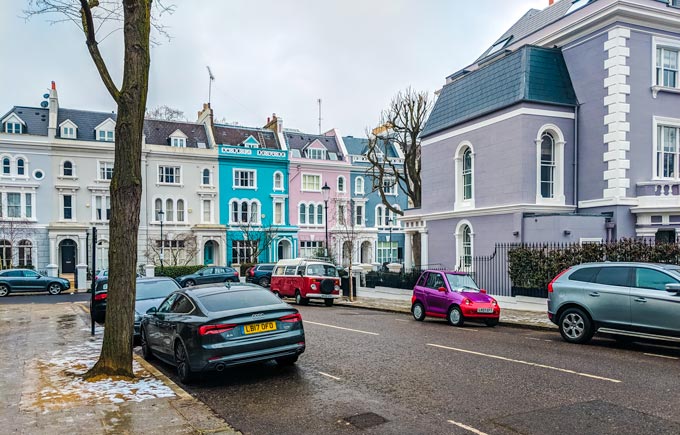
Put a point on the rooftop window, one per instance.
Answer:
(576, 5)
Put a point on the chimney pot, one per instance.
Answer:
(54, 85)
(550, 2)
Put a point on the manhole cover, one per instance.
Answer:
(365, 420)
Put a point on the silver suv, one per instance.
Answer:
(638, 300)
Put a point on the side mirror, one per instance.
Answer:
(152, 310)
(200, 274)
(481, 290)
(442, 289)
(673, 288)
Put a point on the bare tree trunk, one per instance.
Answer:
(415, 247)
(351, 287)
(126, 193)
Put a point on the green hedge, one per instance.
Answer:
(175, 271)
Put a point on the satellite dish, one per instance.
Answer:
(44, 104)
(46, 95)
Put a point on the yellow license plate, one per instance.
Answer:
(259, 327)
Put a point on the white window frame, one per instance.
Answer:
(62, 208)
(461, 203)
(343, 179)
(236, 171)
(664, 43)
(665, 122)
(103, 165)
(244, 249)
(359, 181)
(302, 182)
(16, 166)
(68, 130)
(102, 197)
(387, 251)
(175, 174)
(254, 219)
(211, 211)
(280, 187)
(460, 248)
(316, 153)
(359, 218)
(308, 248)
(210, 177)
(280, 220)
(62, 174)
(106, 135)
(178, 142)
(558, 178)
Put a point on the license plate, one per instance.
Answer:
(485, 310)
(259, 327)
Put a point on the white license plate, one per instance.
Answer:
(485, 310)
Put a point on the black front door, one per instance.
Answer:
(68, 256)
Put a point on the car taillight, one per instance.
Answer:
(252, 272)
(215, 329)
(413, 299)
(550, 286)
(100, 297)
(291, 318)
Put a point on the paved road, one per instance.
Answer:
(42, 298)
(400, 376)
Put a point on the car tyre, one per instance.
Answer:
(418, 311)
(186, 376)
(328, 302)
(299, 299)
(455, 316)
(189, 283)
(264, 282)
(491, 322)
(4, 290)
(54, 288)
(575, 326)
(147, 354)
(285, 361)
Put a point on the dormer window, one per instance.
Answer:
(251, 142)
(178, 139)
(13, 124)
(105, 136)
(316, 154)
(105, 132)
(68, 130)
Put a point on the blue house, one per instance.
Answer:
(253, 167)
(382, 238)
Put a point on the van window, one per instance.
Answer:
(616, 276)
(587, 274)
(290, 270)
(321, 270)
(280, 270)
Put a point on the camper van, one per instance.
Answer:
(306, 279)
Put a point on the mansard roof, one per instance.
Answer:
(235, 135)
(299, 141)
(357, 146)
(35, 119)
(86, 121)
(532, 74)
(158, 132)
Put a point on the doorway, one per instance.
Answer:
(284, 251)
(67, 253)
(209, 252)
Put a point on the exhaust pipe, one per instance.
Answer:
(219, 367)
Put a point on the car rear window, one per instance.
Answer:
(266, 267)
(235, 300)
(616, 276)
(587, 274)
(155, 289)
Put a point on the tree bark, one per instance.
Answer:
(415, 247)
(126, 193)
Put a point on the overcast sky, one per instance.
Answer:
(267, 56)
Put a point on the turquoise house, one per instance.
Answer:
(253, 174)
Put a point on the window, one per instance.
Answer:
(102, 208)
(105, 136)
(359, 185)
(311, 183)
(341, 184)
(13, 127)
(667, 152)
(207, 211)
(158, 208)
(106, 171)
(242, 251)
(244, 179)
(467, 174)
(245, 212)
(389, 186)
(615, 276)
(310, 248)
(68, 132)
(316, 154)
(303, 215)
(319, 214)
(278, 213)
(435, 280)
(206, 178)
(359, 215)
(667, 67)
(6, 257)
(178, 142)
(278, 181)
(21, 167)
(586, 274)
(180, 210)
(25, 253)
(341, 214)
(467, 246)
(169, 210)
(169, 174)
(14, 205)
(68, 207)
(576, 5)
(379, 216)
(6, 166)
(28, 205)
(547, 165)
(387, 252)
(67, 170)
(652, 279)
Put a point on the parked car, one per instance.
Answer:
(209, 275)
(26, 280)
(260, 274)
(306, 279)
(104, 273)
(629, 300)
(207, 328)
(453, 296)
(150, 293)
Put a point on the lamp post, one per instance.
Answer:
(326, 192)
(160, 219)
(389, 223)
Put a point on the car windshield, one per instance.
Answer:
(322, 270)
(675, 272)
(155, 289)
(236, 300)
(461, 282)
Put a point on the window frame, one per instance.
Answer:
(167, 172)
(278, 177)
(341, 184)
(70, 207)
(304, 186)
(668, 44)
(359, 180)
(558, 197)
(659, 124)
(203, 177)
(103, 165)
(236, 177)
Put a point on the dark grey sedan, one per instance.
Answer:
(26, 280)
(209, 275)
(206, 328)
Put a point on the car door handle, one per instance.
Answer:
(594, 294)
(640, 300)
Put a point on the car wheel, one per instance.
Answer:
(146, 349)
(54, 288)
(575, 326)
(182, 363)
(286, 360)
(455, 316)
(328, 302)
(418, 311)
(4, 290)
(299, 299)
(264, 282)
(491, 322)
(189, 283)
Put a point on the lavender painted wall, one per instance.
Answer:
(551, 228)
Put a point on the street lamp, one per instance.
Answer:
(389, 223)
(161, 213)
(326, 192)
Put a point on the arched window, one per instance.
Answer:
(310, 214)
(25, 253)
(467, 246)
(206, 177)
(467, 174)
(21, 167)
(244, 212)
(68, 169)
(169, 210)
(6, 166)
(303, 214)
(341, 184)
(103, 254)
(319, 214)
(379, 216)
(180, 210)
(278, 181)
(254, 213)
(359, 185)
(158, 208)
(547, 165)
(234, 212)
(5, 253)
(464, 246)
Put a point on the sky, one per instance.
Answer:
(267, 56)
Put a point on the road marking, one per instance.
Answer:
(330, 376)
(87, 310)
(660, 356)
(468, 428)
(467, 329)
(616, 381)
(340, 327)
(402, 320)
(538, 339)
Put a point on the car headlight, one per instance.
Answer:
(337, 288)
(138, 317)
(313, 286)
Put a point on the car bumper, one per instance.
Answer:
(322, 296)
(251, 279)
(472, 313)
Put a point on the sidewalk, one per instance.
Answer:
(518, 312)
(46, 346)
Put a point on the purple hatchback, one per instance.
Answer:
(453, 296)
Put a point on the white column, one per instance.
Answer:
(424, 249)
(82, 250)
(408, 264)
(53, 250)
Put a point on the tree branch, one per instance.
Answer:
(93, 47)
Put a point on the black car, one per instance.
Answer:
(260, 274)
(26, 280)
(209, 275)
(207, 328)
(150, 293)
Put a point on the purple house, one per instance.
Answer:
(566, 129)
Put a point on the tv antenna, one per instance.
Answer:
(212, 78)
(319, 101)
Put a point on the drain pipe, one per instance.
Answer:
(576, 110)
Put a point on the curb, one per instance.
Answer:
(158, 374)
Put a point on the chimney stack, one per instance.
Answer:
(53, 112)
(550, 2)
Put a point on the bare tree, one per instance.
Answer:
(259, 238)
(346, 233)
(165, 113)
(15, 234)
(400, 124)
(180, 250)
(135, 18)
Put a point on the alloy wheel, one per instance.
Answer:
(573, 326)
(418, 312)
(54, 289)
(4, 290)
(181, 362)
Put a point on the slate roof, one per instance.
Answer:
(357, 146)
(85, 120)
(158, 132)
(298, 141)
(534, 74)
(235, 135)
(36, 119)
